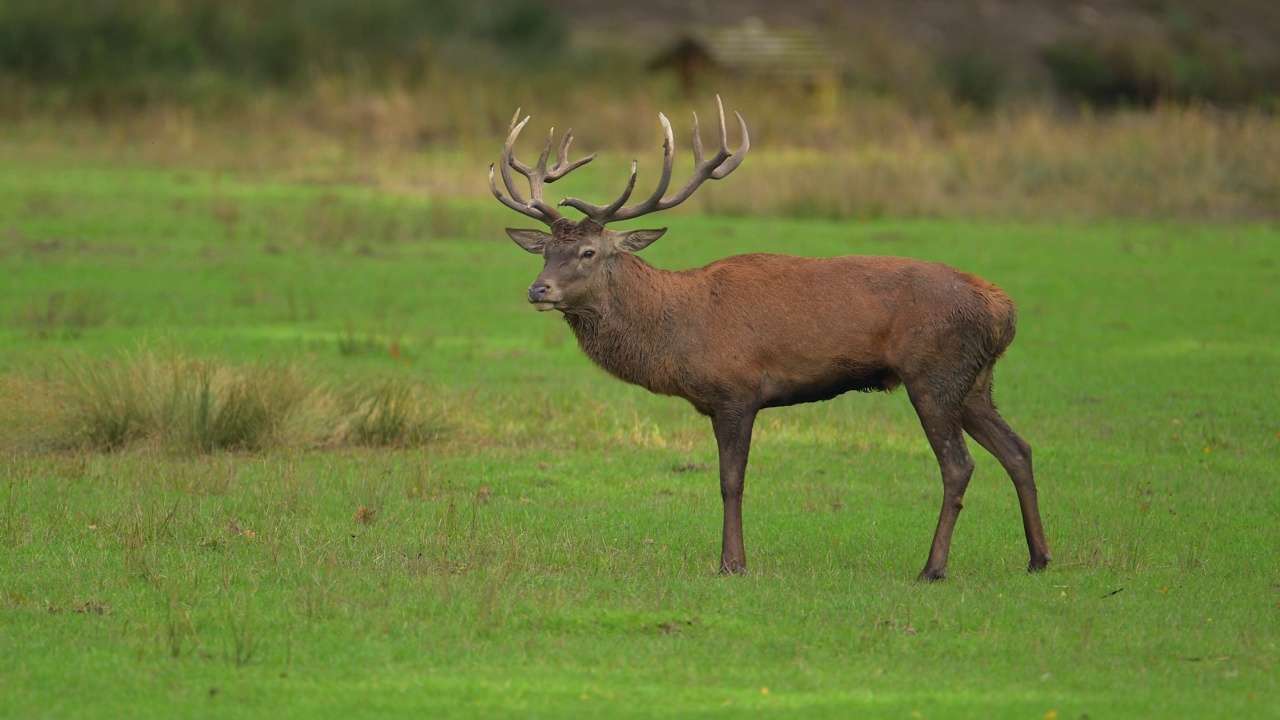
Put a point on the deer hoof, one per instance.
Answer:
(928, 575)
(1038, 564)
(733, 569)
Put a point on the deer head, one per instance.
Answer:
(578, 254)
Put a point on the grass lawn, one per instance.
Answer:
(551, 553)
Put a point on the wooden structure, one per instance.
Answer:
(750, 49)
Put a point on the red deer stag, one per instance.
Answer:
(762, 330)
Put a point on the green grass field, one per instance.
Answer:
(550, 551)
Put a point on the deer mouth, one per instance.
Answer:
(544, 305)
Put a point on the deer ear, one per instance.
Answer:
(637, 240)
(531, 240)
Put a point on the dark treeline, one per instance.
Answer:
(137, 51)
(263, 42)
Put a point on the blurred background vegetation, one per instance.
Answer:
(114, 52)
(935, 107)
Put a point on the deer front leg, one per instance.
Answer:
(733, 438)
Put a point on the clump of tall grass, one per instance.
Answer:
(389, 414)
(185, 403)
(198, 406)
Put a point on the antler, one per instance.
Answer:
(714, 168)
(535, 207)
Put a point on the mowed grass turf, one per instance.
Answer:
(552, 555)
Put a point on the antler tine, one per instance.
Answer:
(724, 136)
(605, 213)
(563, 166)
(668, 162)
(715, 168)
(535, 207)
(601, 214)
(516, 201)
(537, 173)
(518, 207)
(546, 151)
(697, 142)
(508, 160)
(736, 158)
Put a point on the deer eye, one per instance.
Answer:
(587, 254)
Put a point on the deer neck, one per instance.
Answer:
(628, 329)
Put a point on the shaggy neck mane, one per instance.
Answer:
(628, 330)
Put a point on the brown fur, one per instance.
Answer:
(757, 331)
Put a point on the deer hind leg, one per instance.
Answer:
(984, 424)
(940, 418)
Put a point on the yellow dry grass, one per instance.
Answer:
(863, 156)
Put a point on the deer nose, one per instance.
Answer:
(538, 291)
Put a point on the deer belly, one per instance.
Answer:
(781, 389)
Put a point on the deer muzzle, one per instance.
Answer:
(543, 295)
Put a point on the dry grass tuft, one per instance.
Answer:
(200, 406)
(192, 404)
